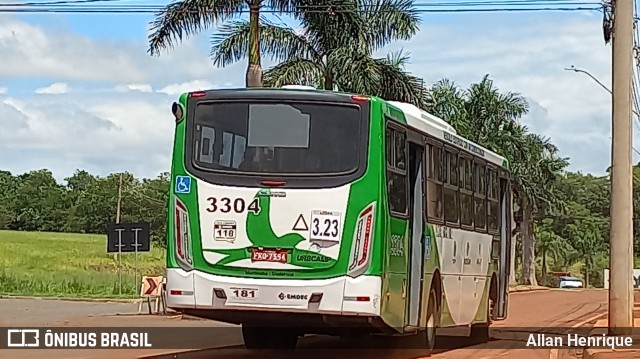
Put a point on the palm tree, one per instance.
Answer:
(586, 239)
(187, 17)
(490, 118)
(333, 50)
(548, 243)
(536, 188)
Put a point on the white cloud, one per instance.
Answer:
(117, 122)
(57, 88)
(99, 134)
(195, 85)
(3, 90)
(128, 125)
(530, 58)
(30, 51)
(134, 87)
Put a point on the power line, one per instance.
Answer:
(417, 4)
(151, 10)
(87, 6)
(62, 2)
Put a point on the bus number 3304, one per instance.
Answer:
(237, 205)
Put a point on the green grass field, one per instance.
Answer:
(70, 265)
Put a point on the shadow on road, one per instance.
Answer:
(324, 347)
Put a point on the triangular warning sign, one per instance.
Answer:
(301, 224)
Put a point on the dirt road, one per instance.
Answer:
(540, 309)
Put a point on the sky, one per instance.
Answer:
(80, 91)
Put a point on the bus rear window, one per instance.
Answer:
(283, 138)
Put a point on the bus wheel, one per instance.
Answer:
(433, 320)
(268, 338)
(480, 331)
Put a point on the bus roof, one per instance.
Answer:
(439, 128)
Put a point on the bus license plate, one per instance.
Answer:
(269, 255)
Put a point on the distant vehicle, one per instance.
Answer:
(569, 282)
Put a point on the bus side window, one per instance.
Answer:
(493, 208)
(466, 192)
(480, 199)
(452, 207)
(396, 171)
(435, 208)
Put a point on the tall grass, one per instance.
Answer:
(70, 265)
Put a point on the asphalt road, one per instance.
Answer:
(539, 309)
(528, 311)
(26, 312)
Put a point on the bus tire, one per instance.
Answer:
(268, 337)
(480, 331)
(433, 320)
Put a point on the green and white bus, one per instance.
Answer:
(320, 212)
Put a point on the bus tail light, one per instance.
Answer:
(198, 94)
(362, 240)
(358, 98)
(182, 234)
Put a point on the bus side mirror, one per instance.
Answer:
(177, 111)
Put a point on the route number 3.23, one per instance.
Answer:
(237, 205)
(325, 227)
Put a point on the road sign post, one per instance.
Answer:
(119, 245)
(136, 245)
(128, 238)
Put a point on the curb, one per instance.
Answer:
(607, 353)
(72, 299)
(554, 353)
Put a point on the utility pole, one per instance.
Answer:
(621, 246)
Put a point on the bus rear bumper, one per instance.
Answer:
(340, 295)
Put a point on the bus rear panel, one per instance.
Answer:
(275, 207)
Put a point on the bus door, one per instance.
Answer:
(503, 249)
(415, 272)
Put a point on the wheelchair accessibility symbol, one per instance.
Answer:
(183, 184)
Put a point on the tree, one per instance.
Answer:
(548, 244)
(334, 50)
(188, 17)
(586, 239)
(536, 176)
(7, 189)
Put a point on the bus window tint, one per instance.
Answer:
(389, 144)
(480, 191)
(434, 183)
(466, 192)
(451, 207)
(493, 208)
(277, 138)
(400, 153)
(396, 171)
